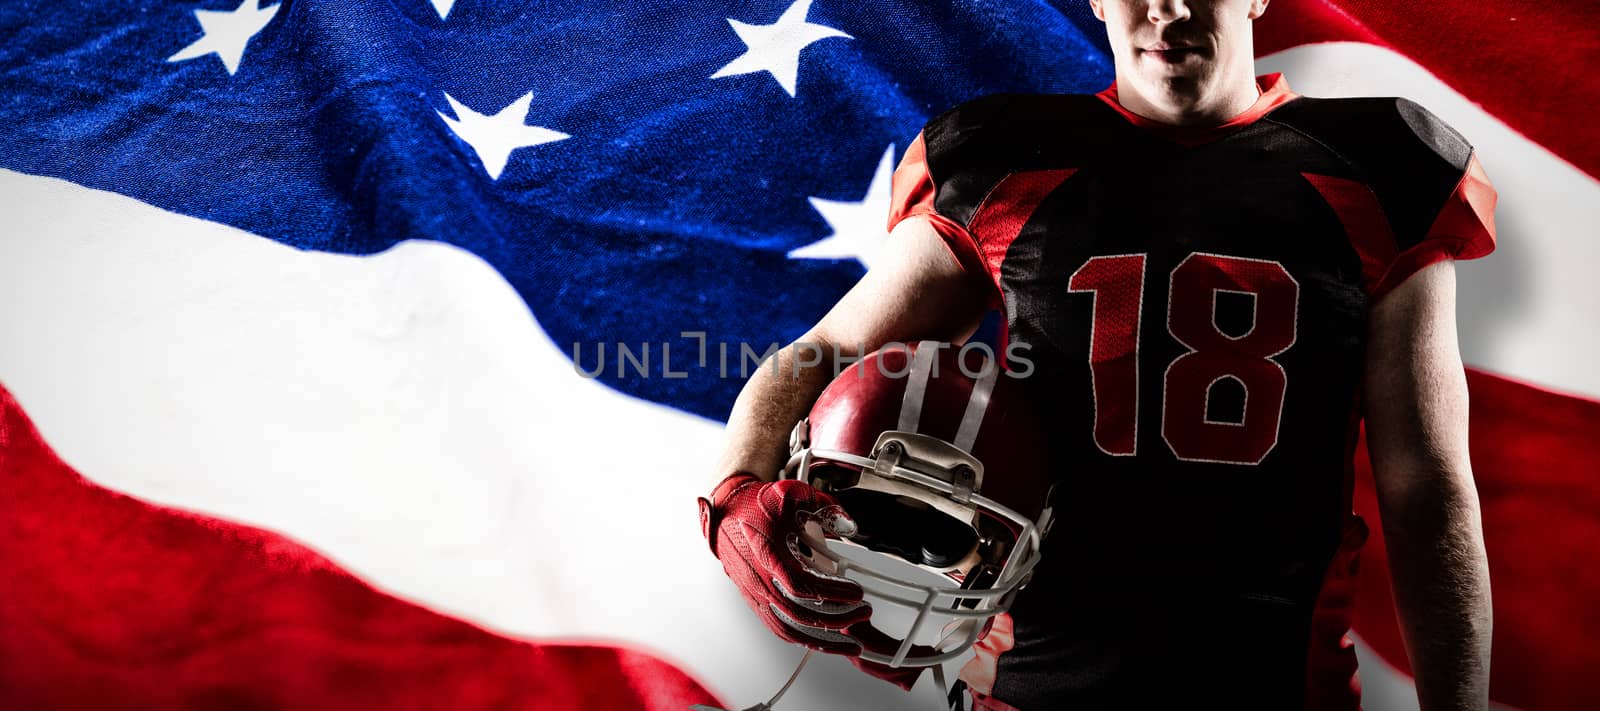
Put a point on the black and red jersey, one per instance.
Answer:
(1189, 308)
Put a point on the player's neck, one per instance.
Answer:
(1188, 103)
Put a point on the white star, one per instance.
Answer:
(443, 6)
(775, 48)
(493, 138)
(227, 32)
(858, 227)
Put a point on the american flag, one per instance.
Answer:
(291, 296)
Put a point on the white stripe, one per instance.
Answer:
(1528, 310)
(402, 413)
(922, 363)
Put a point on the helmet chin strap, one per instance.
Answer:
(938, 679)
(767, 706)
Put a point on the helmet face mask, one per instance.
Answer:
(930, 544)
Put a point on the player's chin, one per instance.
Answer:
(1191, 62)
(1179, 83)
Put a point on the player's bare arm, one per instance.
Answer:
(915, 291)
(1416, 414)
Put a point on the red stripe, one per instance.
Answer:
(1464, 229)
(913, 193)
(1535, 458)
(998, 220)
(108, 602)
(1006, 209)
(983, 702)
(911, 185)
(1364, 223)
(1468, 215)
(979, 672)
(1332, 683)
(1525, 61)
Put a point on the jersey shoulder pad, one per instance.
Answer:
(977, 143)
(1010, 126)
(1410, 158)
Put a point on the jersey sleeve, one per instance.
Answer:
(1463, 228)
(912, 195)
(1442, 203)
(1411, 192)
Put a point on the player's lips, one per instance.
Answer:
(1171, 53)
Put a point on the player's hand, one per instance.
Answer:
(875, 640)
(764, 533)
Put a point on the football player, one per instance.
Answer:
(1218, 282)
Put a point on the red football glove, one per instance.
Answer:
(758, 530)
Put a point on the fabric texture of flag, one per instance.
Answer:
(372, 354)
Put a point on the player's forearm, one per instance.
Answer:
(772, 401)
(1417, 412)
(1434, 539)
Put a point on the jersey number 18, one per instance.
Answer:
(1118, 285)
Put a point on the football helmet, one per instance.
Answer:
(935, 453)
